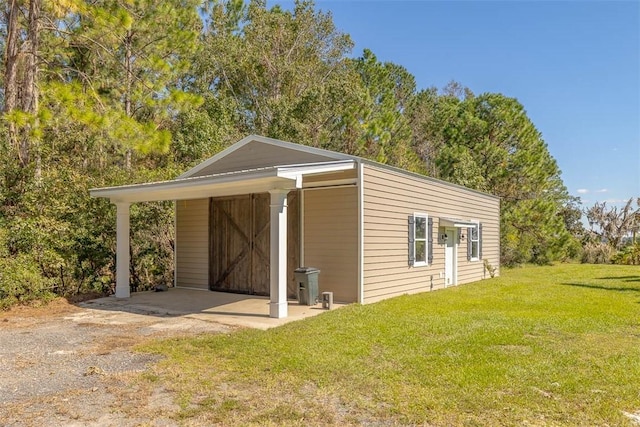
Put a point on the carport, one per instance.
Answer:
(236, 310)
(277, 181)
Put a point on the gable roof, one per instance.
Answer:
(260, 163)
(256, 151)
(223, 184)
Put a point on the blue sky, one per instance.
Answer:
(574, 65)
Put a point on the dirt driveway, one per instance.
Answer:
(67, 365)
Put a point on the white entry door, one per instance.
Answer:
(450, 258)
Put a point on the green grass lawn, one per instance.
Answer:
(541, 346)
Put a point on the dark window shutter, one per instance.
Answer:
(480, 240)
(411, 239)
(430, 240)
(469, 244)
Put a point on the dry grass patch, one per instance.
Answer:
(36, 310)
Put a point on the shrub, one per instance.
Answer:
(597, 253)
(629, 255)
(489, 268)
(21, 281)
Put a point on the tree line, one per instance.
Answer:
(107, 92)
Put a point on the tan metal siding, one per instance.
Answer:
(389, 198)
(257, 155)
(192, 243)
(342, 175)
(331, 239)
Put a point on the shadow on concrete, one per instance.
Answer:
(227, 308)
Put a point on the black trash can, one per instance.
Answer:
(307, 280)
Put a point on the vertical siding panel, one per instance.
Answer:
(192, 243)
(389, 196)
(331, 239)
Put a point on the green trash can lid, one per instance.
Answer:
(306, 270)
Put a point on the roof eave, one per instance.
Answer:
(200, 187)
(242, 182)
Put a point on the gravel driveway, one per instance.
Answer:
(68, 365)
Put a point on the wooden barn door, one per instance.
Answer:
(260, 244)
(240, 244)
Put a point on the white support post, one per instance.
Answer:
(278, 254)
(122, 250)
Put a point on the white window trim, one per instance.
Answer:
(424, 263)
(477, 241)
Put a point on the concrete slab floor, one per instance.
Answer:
(220, 307)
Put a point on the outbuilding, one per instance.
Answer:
(247, 217)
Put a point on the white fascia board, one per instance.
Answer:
(178, 183)
(315, 168)
(456, 223)
(207, 186)
(241, 182)
(296, 172)
(331, 183)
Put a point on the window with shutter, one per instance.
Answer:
(411, 223)
(430, 240)
(480, 240)
(420, 239)
(474, 242)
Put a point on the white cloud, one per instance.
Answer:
(616, 201)
(582, 191)
(603, 190)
